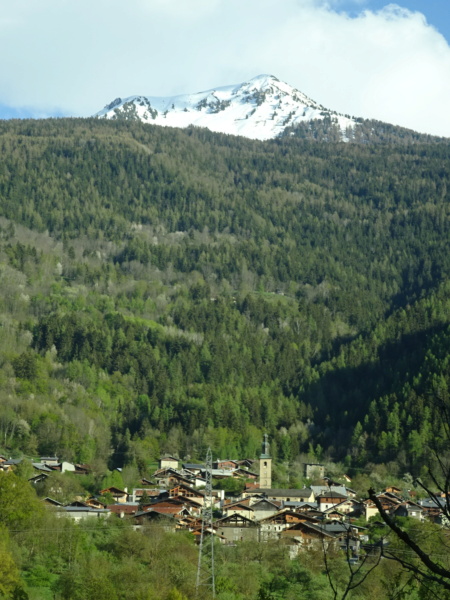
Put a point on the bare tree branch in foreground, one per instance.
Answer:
(436, 573)
(357, 575)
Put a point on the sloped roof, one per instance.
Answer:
(128, 509)
(313, 528)
(265, 501)
(244, 471)
(437, 503)
(184, 486)
(51, 501)
(39, 477)
(224, 521)
(409, 504)
(167, 510)
(336, 495)
(113, 490)
(82, 509)
(337, 527)
(325, 489)
(294, 504)
(303, 493)
(42, 467)
(288, 513)
(190, 501)
(151, 514)
(237, 506)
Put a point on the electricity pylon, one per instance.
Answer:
(205, 569)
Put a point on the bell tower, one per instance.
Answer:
(265, 465)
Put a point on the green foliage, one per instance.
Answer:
(63, 487)
(230, 485)
(19, 505)
(9, 573)
(165, 290)
(366, 131)
(170, 291)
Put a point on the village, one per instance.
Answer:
(326, 514)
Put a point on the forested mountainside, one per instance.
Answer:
(166, 290)
(365, 131)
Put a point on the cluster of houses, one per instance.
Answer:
(174, 497)
(392, 502)
(47, 464)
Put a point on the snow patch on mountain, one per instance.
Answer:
(260, 109)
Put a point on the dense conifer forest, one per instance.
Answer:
(168, 290)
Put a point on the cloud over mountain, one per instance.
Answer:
(73, 57)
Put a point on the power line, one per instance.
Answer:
(205, 569)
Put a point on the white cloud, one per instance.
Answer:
(193, 10)
(78, 55)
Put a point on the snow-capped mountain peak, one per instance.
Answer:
(261, 108)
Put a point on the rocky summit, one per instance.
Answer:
(262, 108)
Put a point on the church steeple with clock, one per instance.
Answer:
(265, 465)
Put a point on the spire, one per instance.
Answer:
(265, 447)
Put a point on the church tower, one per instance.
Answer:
(265, 465)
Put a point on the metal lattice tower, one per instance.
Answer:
(205, 570)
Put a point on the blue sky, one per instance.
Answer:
(367, 58)
(436, 12)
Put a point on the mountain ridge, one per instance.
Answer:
(262, 108)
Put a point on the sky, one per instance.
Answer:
(366, 58)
